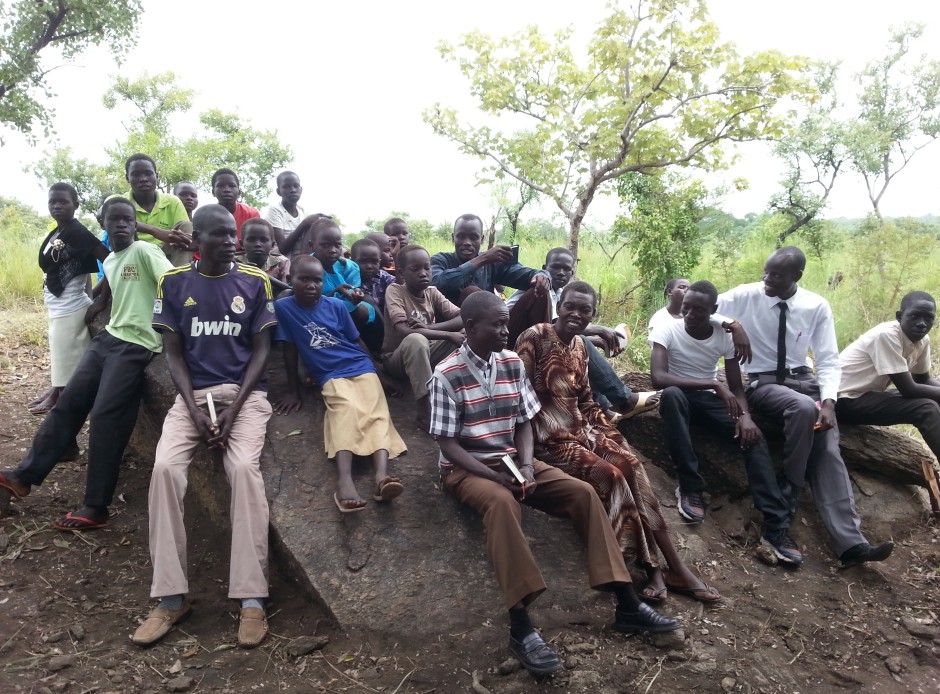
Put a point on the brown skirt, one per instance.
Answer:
(357, 418)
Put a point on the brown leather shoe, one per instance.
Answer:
(252, 627)
(158, 624)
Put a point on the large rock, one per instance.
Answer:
(420, 560)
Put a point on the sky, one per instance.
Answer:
(344, 84)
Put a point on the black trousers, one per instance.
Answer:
(887, 408)
(107, 384)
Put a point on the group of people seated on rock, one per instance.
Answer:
(523, 404)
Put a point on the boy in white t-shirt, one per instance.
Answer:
(286, 216)
(685, 365)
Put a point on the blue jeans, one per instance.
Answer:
(609, 391)
(678, 409)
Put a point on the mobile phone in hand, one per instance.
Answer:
(515, 253)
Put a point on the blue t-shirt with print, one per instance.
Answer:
(325, 336)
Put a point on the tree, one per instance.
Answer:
(658, 89)
(815, 153)
(899, 112)
(152, 102)
(661, 228)
(31, 27)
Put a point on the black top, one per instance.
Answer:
(73, 257)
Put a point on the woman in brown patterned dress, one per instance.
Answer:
(573, 434)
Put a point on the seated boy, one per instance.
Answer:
(108, 382)
(421, 326)
(396, 229)
(895, 353)
(385, 247)
(258, 240)
(685, 365)
(217, 317)
(481, 411)
(374, 280)
(357, 421)
(609, 391)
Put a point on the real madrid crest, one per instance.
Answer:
(238, 305)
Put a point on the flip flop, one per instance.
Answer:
(701, 594)
(646, 401)
(388, 489)
(654, 595)
(83, 523)
(349, 505)
(39, 411)
(14, 488)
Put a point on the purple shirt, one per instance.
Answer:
(376, 288)
(216, 317)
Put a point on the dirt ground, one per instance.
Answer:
(69, 602)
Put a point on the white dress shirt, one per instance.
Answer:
(810, 326)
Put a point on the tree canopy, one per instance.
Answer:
(658, 88)
(152, 101)
(31, 29)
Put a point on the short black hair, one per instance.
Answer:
(304, 258)
(406, 251)
(558, 251)
(204, 212)
(117, 200)
(468, 218)
(363, 243)
(911, 297)
(285, 173)
(705, 287)
(224, 172)
(258, 221)
(579, 286)
(478, 304)
(671, 284)
(392, 222)
(138, 157)
(63, 187)
(183, 183)
(795, 256)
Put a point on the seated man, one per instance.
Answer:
(217, 318)
(286, 215)
(785, 321)
(674, 291)
(685, 365)
(468, 270)
(898, 353)
(609, 391)
(421, 327)
(108, 382)
(482, 409)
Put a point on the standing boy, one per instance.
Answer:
(785, 321)
(108, 381)
(227, 190)
(421, 326)
(286, 215)
(898, 353)
(685, 365)
(216, 318)
(482, 407)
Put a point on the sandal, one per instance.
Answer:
(704, 594)
(349, 505)
(15, 488)
(388, 489)
(646, 401)
(653, 595)
(80, 523)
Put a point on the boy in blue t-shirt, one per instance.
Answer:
(357, 421)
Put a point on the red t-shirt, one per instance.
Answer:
(242, 214)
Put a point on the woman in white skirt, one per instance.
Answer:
(67, 256)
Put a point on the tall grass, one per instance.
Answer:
(20, 276)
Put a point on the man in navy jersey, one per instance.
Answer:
(216, 318)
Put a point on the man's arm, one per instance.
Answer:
(158, 233)
(179, 372)
(459, 457)
(746, 432)
(260, 349)
(292, 401)
(101, 302)
(916, 385)
(519, 276)
(450, 280)
(828, 370)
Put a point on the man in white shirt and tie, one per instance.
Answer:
(785, 321)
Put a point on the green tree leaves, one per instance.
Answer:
(31, 29)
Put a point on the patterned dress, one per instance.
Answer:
(572, 433)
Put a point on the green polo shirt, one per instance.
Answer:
(167, 212)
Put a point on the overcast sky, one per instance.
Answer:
(345, 84)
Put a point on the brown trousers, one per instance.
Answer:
(558, 494)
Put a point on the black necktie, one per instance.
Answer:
(782, 343)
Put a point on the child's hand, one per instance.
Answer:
(289, 403)
(350, 293)
(389, 386)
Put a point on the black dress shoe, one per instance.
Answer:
(859, 554)
(535, 655)
(645, 619)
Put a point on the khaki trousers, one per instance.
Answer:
(558, 494)
(415, 359)
(248, 510)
